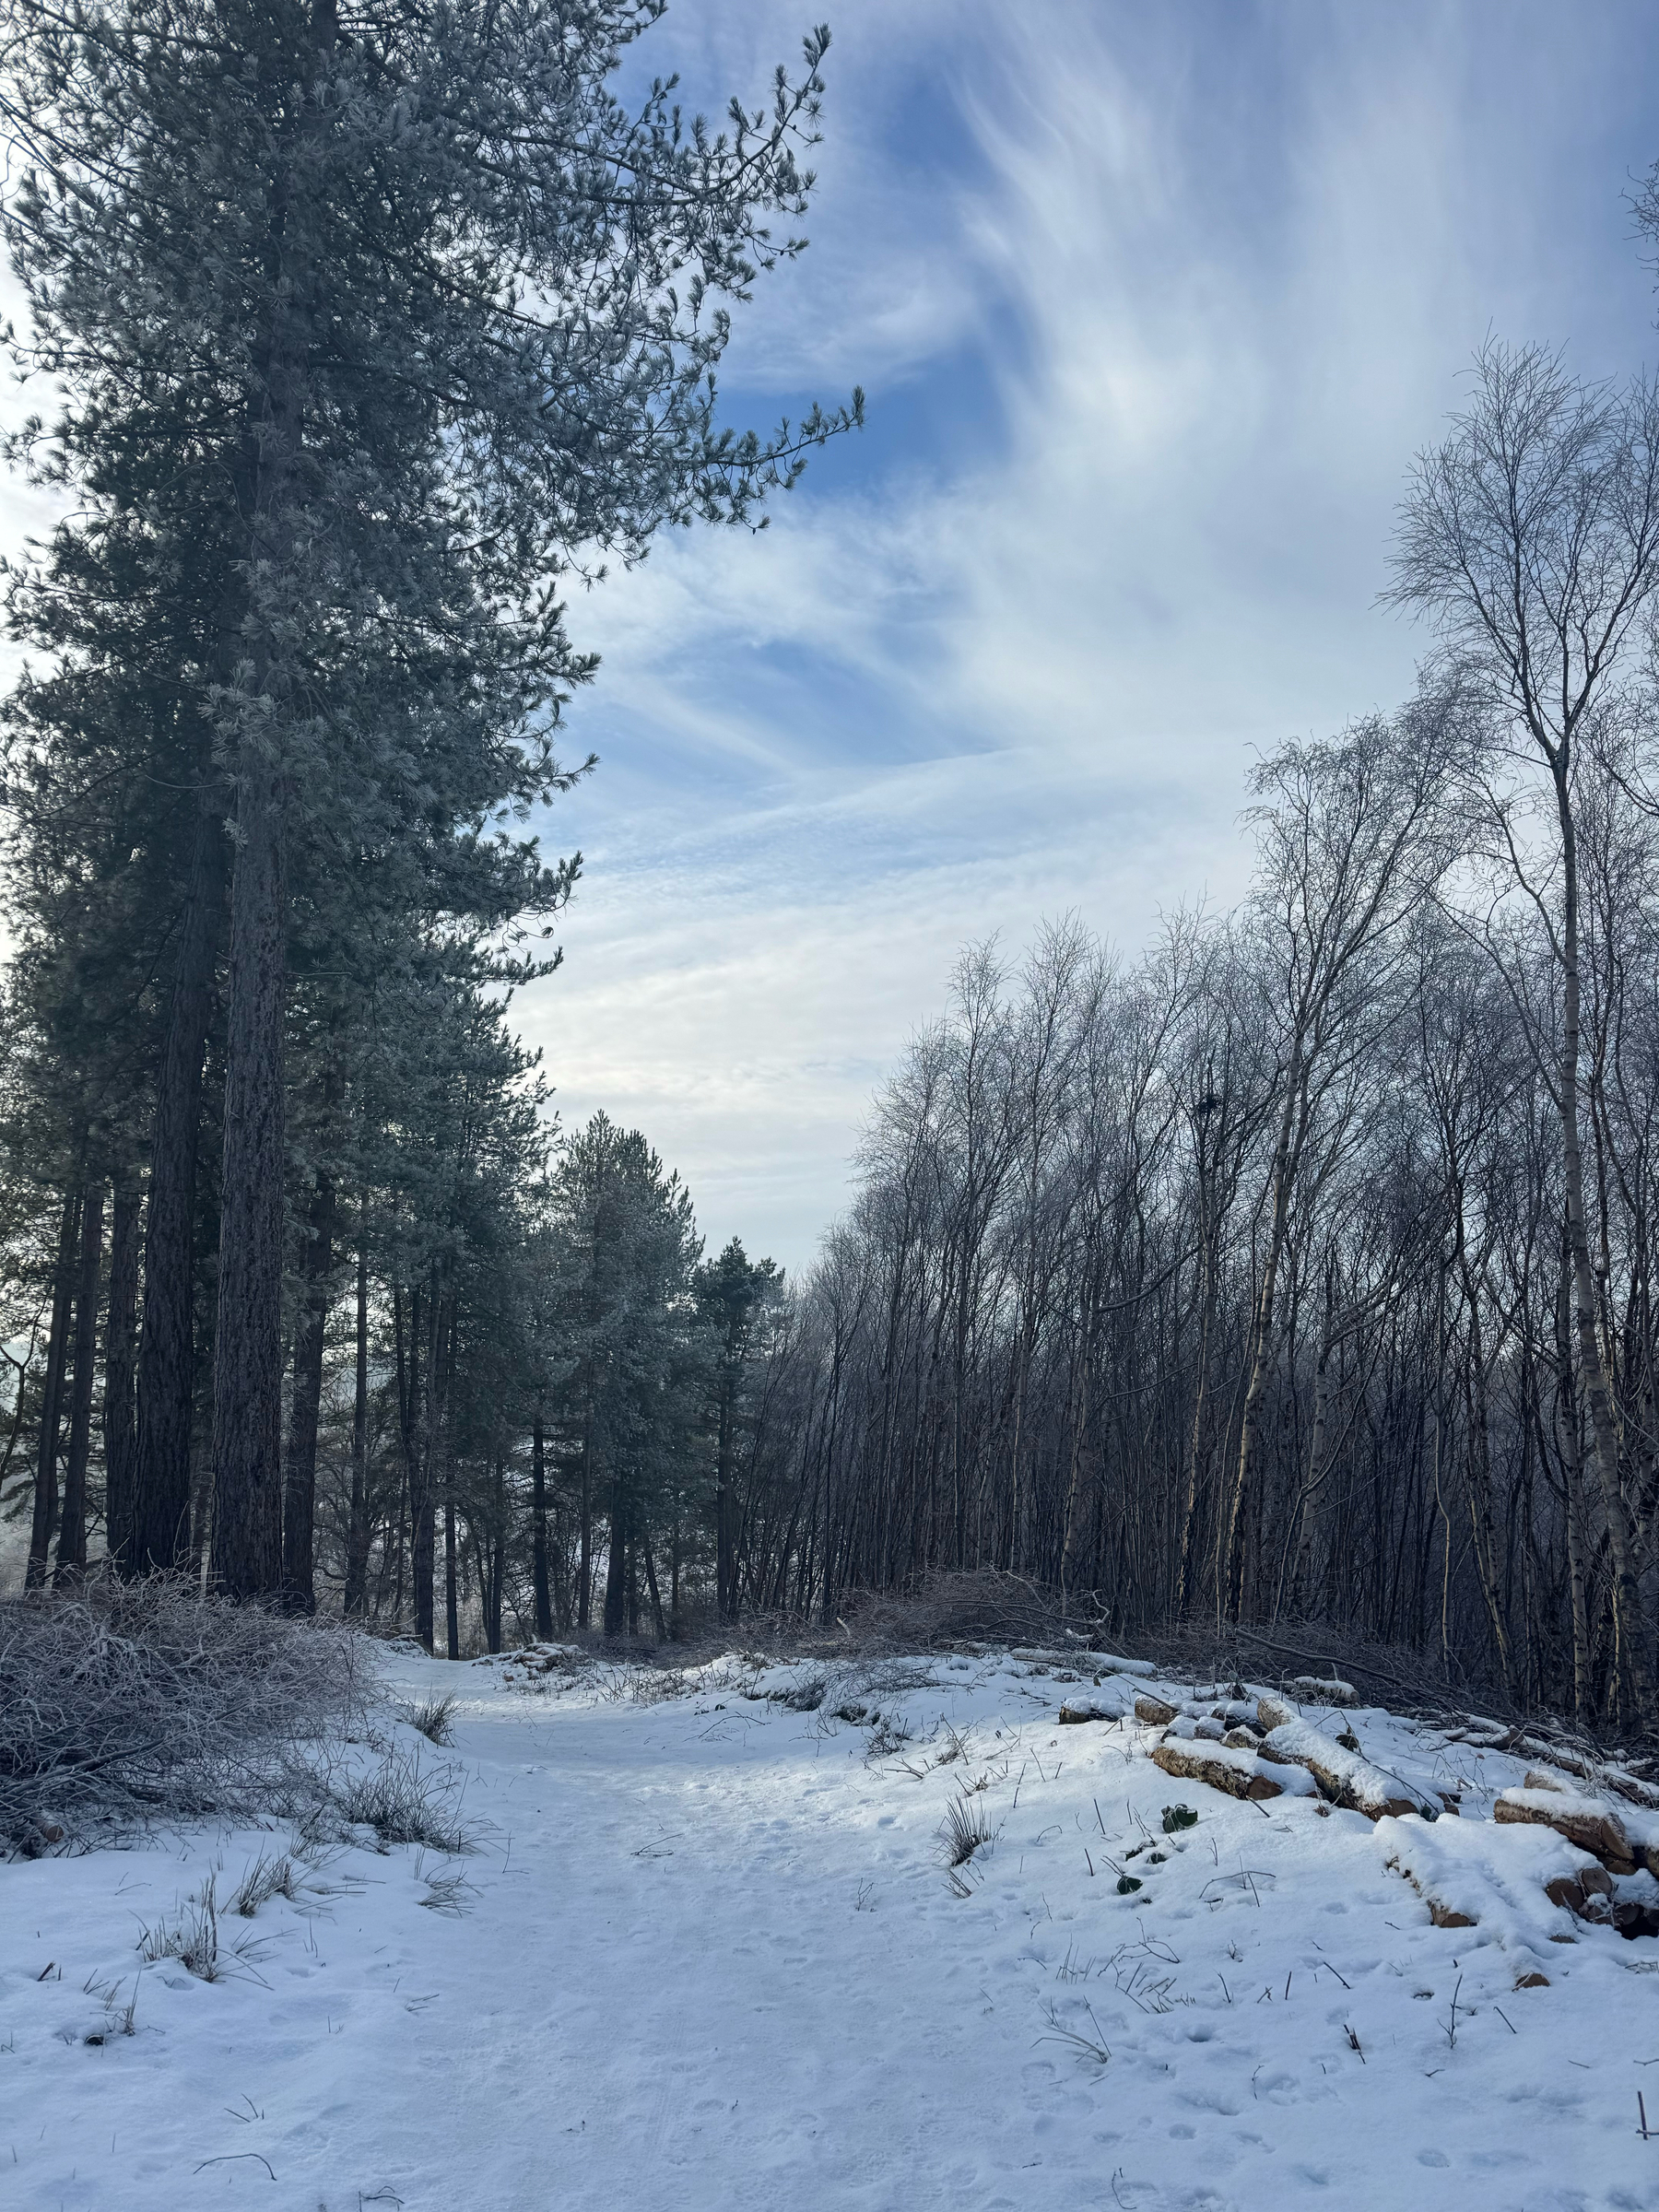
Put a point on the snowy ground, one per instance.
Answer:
(709, 1958)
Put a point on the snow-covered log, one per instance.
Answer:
(1346, 1776)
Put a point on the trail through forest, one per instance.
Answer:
(709, 1952)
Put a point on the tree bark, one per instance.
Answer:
(539, 1505)
(725, 1571)
(422, 1545)
(247, 1384)
(415, 1392)
(120, 1344)
(356, 1541)
(452, 1610)
(1567, 1430)
(1197, 1455)
(247, 1393)
(584, 1573)
(1264, 1344)
(498, 1560)
(166, 1377)
(656, 1599)
(45, 1519)
(299, 1481)
(616, 1567)
(44, 1525)
(1633, 1671)
(72, 1534)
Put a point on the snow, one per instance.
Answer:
(708, 1956)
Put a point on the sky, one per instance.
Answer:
(1152, 306)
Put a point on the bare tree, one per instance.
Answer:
(1351, 840)
(1530, 540)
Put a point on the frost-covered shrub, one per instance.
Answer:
(126, 1702)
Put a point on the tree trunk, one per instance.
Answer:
(417, 1454)
(247, 1394)
(725, 1548)
(585, 1583)
(1263, 1345)
(72, 1534)
(356, 1541)
(44, 1525)
(1305, 1520)
(247, 1383)
(539, 1505)
(656, 1601)
(299, 1481)
(498, 1560)
(421, 1561)
(1198, 1456)
(121, 1342)
(451, 1611)
(616, 1569)
(1633, 1670)
(1081, 1464)
(1567, 1428)
(165, 1382)
(1483, 1526)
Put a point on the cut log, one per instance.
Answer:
(1273, 1712)
(1348, 1778)
(1575, 1890)
(1235, 1772)
(1097, 1662)
(1157, 1712)
(1317, 1689)
(1592, 1825)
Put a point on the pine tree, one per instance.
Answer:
(736, 1296)
(438, 314)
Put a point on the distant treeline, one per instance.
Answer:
(1305, 1268)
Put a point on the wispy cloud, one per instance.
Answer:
(1153, 307)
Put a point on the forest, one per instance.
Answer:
(1295, 1272)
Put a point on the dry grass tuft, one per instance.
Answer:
(434, 1719)
(407, 1803)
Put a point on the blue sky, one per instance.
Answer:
(1152, 305)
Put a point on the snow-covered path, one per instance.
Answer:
(710, 1960)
